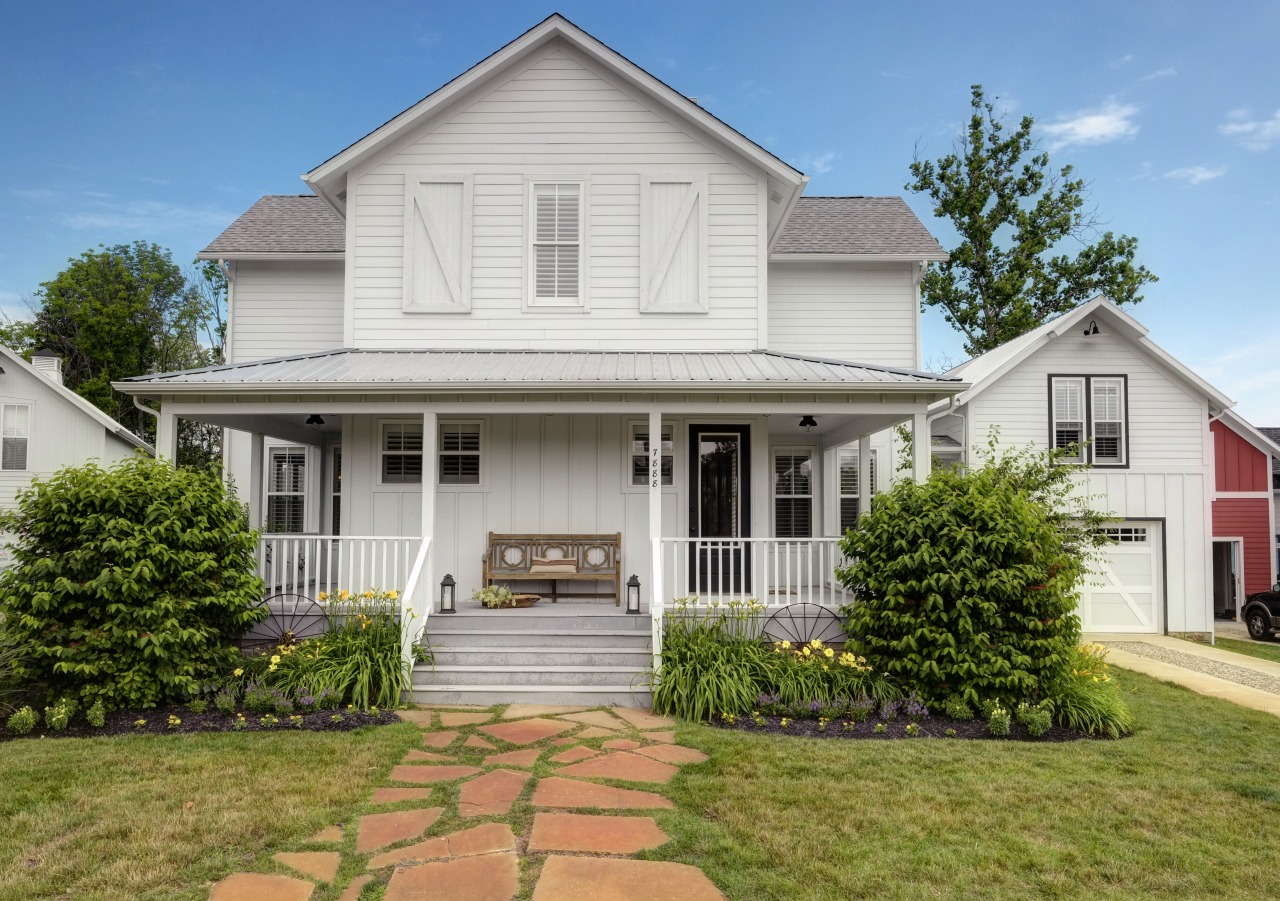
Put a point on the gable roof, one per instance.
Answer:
(985, 370)
(281, 224)
(877, 227)
(1259, 438)
(86, 408)
(329, 178)
(1273, 433)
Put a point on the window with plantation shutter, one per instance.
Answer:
(1090, 414)
(15, 433)
(850, 495)
(793, 493)
(1107, 399)
(460, 453)
(286, 490)
(1068, 418)
(401, 453)
(556, 253)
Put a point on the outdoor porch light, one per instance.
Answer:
(448, 594)
(1091, 328)
(633, 594)
(315, 421)
(808, 423)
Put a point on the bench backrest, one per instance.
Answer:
(593, 553)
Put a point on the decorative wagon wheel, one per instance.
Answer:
(290, 618)
(802, 623)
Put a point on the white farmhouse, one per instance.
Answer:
(558, 301)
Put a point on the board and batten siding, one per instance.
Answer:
(285, 307)
(1248, 518)
(865, 312)
(559, 117)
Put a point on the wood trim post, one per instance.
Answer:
(167, 436)
(257, 471)
(921, 447)
(865, 488)
(430, 471)
(655, 506)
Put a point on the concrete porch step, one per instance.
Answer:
(635, 657)
(486, 695)
(537, 674)
(499, 638)
(565, 619)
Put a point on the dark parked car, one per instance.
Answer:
(1261, 613)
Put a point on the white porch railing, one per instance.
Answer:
(774, 571)
(310, 564)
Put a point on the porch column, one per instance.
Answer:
(921, 447)
(430, 476)
(865, 488)
(167, 436)
(255, 480)
(655, 506)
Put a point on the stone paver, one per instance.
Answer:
(667, 737)
(476, 741)
(611, 879)
(463, 719)
(425, 775)
(353, 890)
(487, 839)
(454, 706)
(620, 744)
(573, 755)
(321, 865)
(556, 792)
(520, 711)
(423, 718)
(596, 718)
(258, 887)
(567, 740)
(597, 732)
(396, 795)
(326, 836)
(492, 877)
(673, 754)
(439, 739)
(526, 757)
(377, 830)
(594, 834)
(526, 732)
(415, 754)
(622, 765)
(643, 719)
(491, 793)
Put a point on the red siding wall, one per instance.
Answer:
(1248, 518)
(1238, 465)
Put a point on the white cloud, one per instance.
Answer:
(36, 195)
(1256, 134)
(1108, 123)
(818, 163)
(1122, 61)
(1194, 175)
(1166, 72)
(148, 217)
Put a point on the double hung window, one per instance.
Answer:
(1089, 419)
(556, 254)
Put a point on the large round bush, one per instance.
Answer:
(130, 583)
(967, 584)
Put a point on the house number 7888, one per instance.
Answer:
(655, 457)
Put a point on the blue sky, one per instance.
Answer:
(163, 121)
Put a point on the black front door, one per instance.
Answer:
(719, 509)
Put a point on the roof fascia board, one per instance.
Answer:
(775, 231)
(1249, 432)
(858, 257)
(161, 388)
(270, 255)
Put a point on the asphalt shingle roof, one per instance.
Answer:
(304, 223)
(1274, 434)
(856, 225)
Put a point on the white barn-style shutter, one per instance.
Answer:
(673, 244)
(437, 245)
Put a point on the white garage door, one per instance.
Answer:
(1125, 594)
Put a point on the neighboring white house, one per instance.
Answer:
(45, 426)
(490, 304)
(1093, 378)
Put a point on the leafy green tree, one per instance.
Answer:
(130, 583)
(1012, 212)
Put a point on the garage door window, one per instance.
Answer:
(1088, 419)
(1126, 534)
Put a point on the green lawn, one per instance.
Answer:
(1186, 808)
(1263, 650)
(106, 819)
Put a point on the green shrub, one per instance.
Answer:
(58, 715)
(21, 722)
(129, 583)
(965, 584)
(12, 686)
(96, 716)
(955, 708)
(225, 703)
(259, 698)
(1089, 700)
(198, 706)
(999, 722)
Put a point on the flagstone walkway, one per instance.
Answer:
(507, 799)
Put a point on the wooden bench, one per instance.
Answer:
(595, 558)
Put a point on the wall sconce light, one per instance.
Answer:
(448, 594)
(633, 594)
(315, 421)
(808, 423)
(1091, 329)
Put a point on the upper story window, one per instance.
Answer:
(15, 428)
(556, 254)
(793, 493)
(460, 453)
(400, 452)
(1089, 418)
(850, 491)
(640, 456)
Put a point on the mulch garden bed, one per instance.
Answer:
(125, 722)
(930, 727)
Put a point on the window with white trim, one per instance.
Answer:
(1089, 418)
(793, 493)
(640, 455)
(459, 453)
(286, 490)
(400, 453)
(556, 253)
(847, 487)
(15, 434)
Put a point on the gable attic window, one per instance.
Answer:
(1089, 415)
(1067, 428)
(556, 254)
(1107, 400)
(15, 424)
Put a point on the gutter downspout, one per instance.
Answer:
(137, 402)
(951, 408)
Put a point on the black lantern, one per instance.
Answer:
(448, 594)
(808, 423)
(633, 594)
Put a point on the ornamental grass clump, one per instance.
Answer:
(1089, 700)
